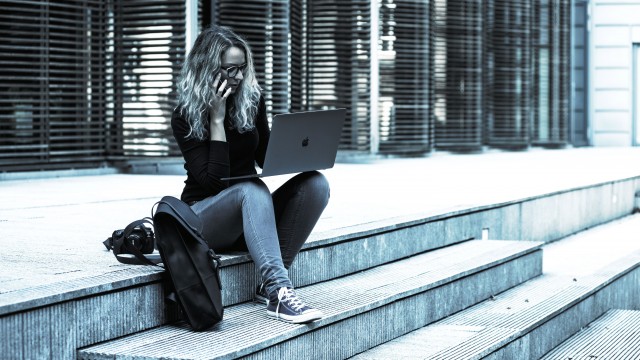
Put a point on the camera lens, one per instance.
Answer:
(135, 240)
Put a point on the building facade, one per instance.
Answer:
(92, 83)
(614, 70)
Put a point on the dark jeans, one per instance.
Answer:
(273, 226)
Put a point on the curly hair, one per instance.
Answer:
(197, 76)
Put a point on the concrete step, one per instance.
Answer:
(362, 310)
(61, 293)
(584, 276)
(523, 323)
(349, 250)
(615, 335)
(88, 303)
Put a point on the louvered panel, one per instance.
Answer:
(298, 44)
(204, 15)
(149, 42)
(266, 26)
(53, 84)
(509, 37)
(488, 68)
(560, 133)
(458, 73)
(405, 80)
(551, 72)
(339, 65)
(541, 69)
(579, 81)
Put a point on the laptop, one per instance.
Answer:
(301, 141)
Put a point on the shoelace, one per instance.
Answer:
(289, 296)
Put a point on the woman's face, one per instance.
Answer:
(233, 65)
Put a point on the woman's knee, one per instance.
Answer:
(318, 183)
(253, 190)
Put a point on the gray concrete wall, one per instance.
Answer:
(615, 28)
(552, 217)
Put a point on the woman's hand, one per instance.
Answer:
(219, 104)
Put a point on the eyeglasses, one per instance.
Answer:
(232, 71)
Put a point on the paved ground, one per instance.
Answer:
(51, 229)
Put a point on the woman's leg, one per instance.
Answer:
(298, 204)
(246, 208)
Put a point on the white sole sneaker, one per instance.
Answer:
(305, 317)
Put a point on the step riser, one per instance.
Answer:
(622, 293)
(569, 212)
(348, 257)
(57, 331)
(317, 264)
(565, 213)
(363, 331)
(615, 335)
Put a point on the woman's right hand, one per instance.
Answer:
(219, 104)
(220, 96)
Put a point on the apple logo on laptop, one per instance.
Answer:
(305, 142)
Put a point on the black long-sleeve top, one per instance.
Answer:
(208, 161)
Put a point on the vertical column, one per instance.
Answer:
(458, 49)
(266, 26)
(404, 113)
(551, 73)
(374, 91)
(298, 54)
(191, 21)
(148, 56)
(510, 39)
(339, 65)
(580, 71)
(636, 93)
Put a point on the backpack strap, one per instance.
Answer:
(182, 212)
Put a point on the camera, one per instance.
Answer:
(140, 238)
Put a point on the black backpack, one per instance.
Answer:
(192, 266)
(194, 281)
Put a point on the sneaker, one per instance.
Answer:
(290, 308)
(261, 295)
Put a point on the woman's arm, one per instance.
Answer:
(219, 110)
(206, 160)
(262, 125)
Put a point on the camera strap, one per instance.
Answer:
(117, 243)
(138, 259)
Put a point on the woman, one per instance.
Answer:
(221, 127)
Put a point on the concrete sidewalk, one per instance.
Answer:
(51, 229)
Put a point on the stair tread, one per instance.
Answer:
(615, 335)
(108, 279)
(488, 326)
(111, 275)
(246, 327)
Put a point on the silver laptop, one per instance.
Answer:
(302, 141)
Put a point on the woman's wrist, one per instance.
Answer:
(216, 130)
